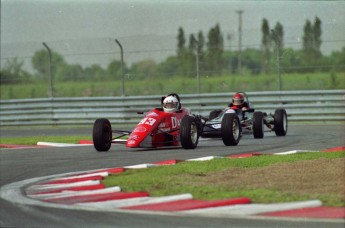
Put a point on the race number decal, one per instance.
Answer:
(148, 121)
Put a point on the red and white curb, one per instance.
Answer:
(84, 190)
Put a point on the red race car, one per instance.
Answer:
(170, 125)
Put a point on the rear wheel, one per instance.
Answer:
(231, 129)
(280, 122)
(214, 114)
(189, 132)
(102, 135)
(258, 125)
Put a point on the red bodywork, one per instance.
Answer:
(157, 129)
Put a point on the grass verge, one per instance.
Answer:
(264, 179)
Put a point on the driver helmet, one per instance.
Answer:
(170, 104)
(238, 99)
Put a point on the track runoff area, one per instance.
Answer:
(85, 191)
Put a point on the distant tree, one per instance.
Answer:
(191, 57)
(170, 67)
(181, 42)
(40, 62)
(201, 41)
(312, 42)
(144, 69)
(277, 36)
(215, 48)
(317, 37)
(251, 60)
(95, 72)
(114, 69)
(266, 45)
(192, 44)
(183, 53)
(308, 35)
(70, 73)
(12, 72)
(338, 60)
(291, 60)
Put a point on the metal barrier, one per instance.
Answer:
(315, 105)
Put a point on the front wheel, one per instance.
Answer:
(258, 125)
(280, 122)
(231, 129)
(102, 135)
(189, 133)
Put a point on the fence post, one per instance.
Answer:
(50, 70)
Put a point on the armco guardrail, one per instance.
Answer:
(320, 105)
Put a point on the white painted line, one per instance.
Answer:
(75, 193)
(251, 209)
(204, 158)
(136, 201)
(141, 166)
(293, 152)
(60, 144)
(58, 186)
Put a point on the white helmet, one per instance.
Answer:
(170, 104)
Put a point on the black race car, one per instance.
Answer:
(251, 121)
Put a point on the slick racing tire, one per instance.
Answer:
(214, 114)
(189, 133)
(280, 122)
(231, 129)
(102, 135)
(258, 125)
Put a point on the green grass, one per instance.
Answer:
(32, 140)
(179, 84)
(187, 177)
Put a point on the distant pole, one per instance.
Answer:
(50, 70)
(239, 41)
(122, 68)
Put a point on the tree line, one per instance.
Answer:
(213, 58)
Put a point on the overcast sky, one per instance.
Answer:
(83, 31)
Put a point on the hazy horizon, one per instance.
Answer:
(83, 32)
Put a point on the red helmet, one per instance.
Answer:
(238, 99)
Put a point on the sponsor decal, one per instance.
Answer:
(133, 137)
(131, 142)
(140, 129)
(175, 122)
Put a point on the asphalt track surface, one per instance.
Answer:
(22, 164)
